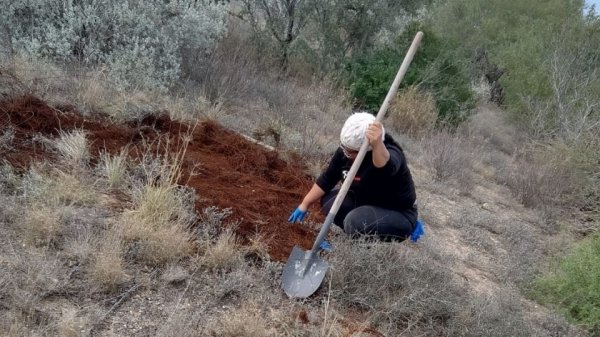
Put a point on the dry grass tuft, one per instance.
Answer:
(114, 168)
(164, 245)
(42, 226)
(155, 207)
(224, 253)
(55, 188)
(93, 92)
(10, 84)
(38, 77)
(107, 268)
(189, 106)
(412, 112)
(158, 223)
(73, 148)
(81, 245)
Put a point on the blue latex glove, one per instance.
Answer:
(297, 215)
(326, 246)
(419, 230)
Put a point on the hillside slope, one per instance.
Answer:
(464, 278)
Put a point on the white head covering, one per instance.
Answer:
(355, 129)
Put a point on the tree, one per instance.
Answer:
(328, 30)
(282, 19)
(516, 35)
(350, 27)
(434, 69)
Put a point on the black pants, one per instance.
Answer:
(356, 219)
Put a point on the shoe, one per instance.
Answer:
(326, 246)
(419, 230)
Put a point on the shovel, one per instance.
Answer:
(304, 271)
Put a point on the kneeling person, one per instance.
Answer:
(381, 198)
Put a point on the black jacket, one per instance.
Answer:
(390, 186)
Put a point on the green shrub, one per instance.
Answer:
(573, 286)
(546, 49)
(434, 69)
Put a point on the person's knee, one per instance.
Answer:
(355, 222)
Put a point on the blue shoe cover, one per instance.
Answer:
(326, 246)
(419, 230)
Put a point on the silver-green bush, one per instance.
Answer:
(141, 41)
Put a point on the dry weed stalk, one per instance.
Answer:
(331, 326)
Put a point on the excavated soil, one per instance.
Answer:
(225, 169)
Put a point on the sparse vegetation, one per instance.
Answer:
(410, 292)
(158, 222)
(573, 284)
(449, 155)
(413, 112)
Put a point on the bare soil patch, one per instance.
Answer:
(225, 169)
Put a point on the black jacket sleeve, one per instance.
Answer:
(394, 164)
(333, 174)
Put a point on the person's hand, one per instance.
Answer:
(374, 133)
(297, 215)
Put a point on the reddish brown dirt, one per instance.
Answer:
(226, 170)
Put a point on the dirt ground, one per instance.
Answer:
(225, 169)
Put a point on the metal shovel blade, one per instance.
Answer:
(303, 273)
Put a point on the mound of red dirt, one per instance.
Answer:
(225, 169)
